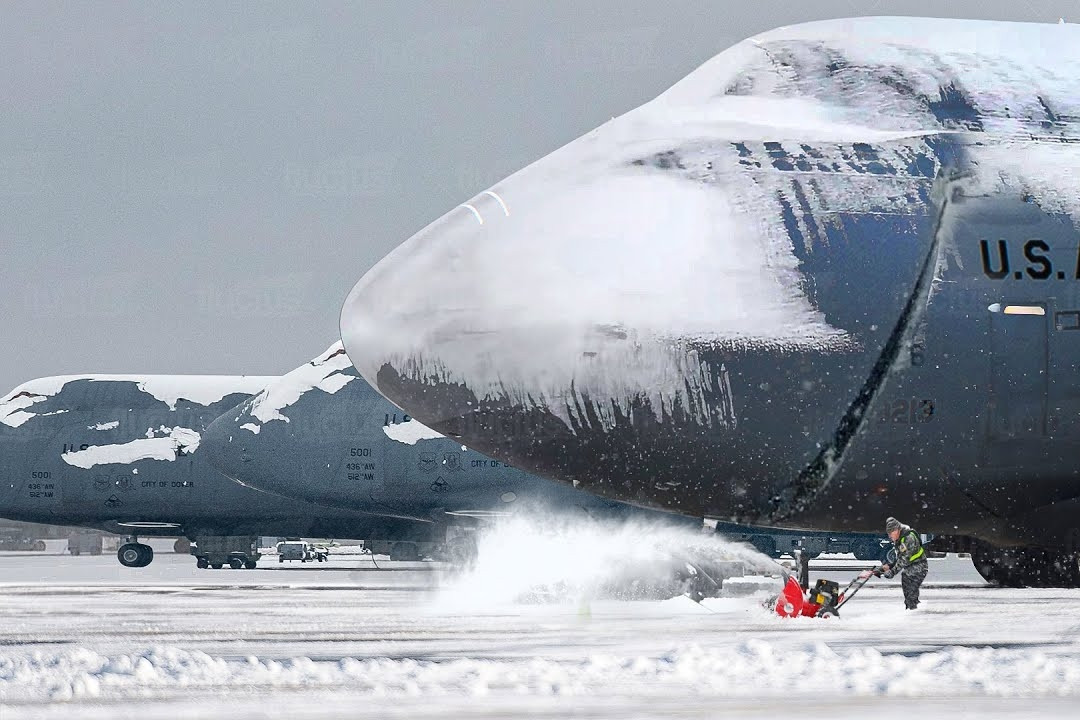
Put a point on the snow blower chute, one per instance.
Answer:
(824, 599)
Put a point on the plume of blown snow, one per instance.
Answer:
(544, 557)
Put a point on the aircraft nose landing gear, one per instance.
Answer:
(135, 554)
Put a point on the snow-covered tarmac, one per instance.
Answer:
(84, 637)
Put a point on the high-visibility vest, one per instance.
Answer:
(920, 552)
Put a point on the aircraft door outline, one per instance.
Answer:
(1019, 372)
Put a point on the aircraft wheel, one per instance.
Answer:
(129, 555)
(250, 564)
(135, 555)
(868, 550)
(202, 563)
(236, 563)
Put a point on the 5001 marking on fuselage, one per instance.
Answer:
(40, 489)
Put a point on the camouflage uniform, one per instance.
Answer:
(911, 561)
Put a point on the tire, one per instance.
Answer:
(868, 550)
(236, 563)
(202, 563)
(39, 546)
(250, 564)
(128, 555)
(74, 553)
(182, 546)
(135, 555)
(216, 566)
(280, 559)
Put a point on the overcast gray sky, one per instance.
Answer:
(195, 187)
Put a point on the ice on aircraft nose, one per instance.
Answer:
(731, 259)
(615, 264)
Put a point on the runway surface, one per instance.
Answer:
(84, 637)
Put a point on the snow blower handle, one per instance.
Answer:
(878, 571)
(857, 584)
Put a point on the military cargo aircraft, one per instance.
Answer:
(323, 435)
(830, 276)
(122, 454)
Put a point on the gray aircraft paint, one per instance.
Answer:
(124, 454)
(322, 434)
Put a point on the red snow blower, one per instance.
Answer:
(824, 599)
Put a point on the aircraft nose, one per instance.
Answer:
(230, 449)
(570, 327)
(657, 318)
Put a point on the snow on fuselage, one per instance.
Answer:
(122, 453)
(764, 294)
